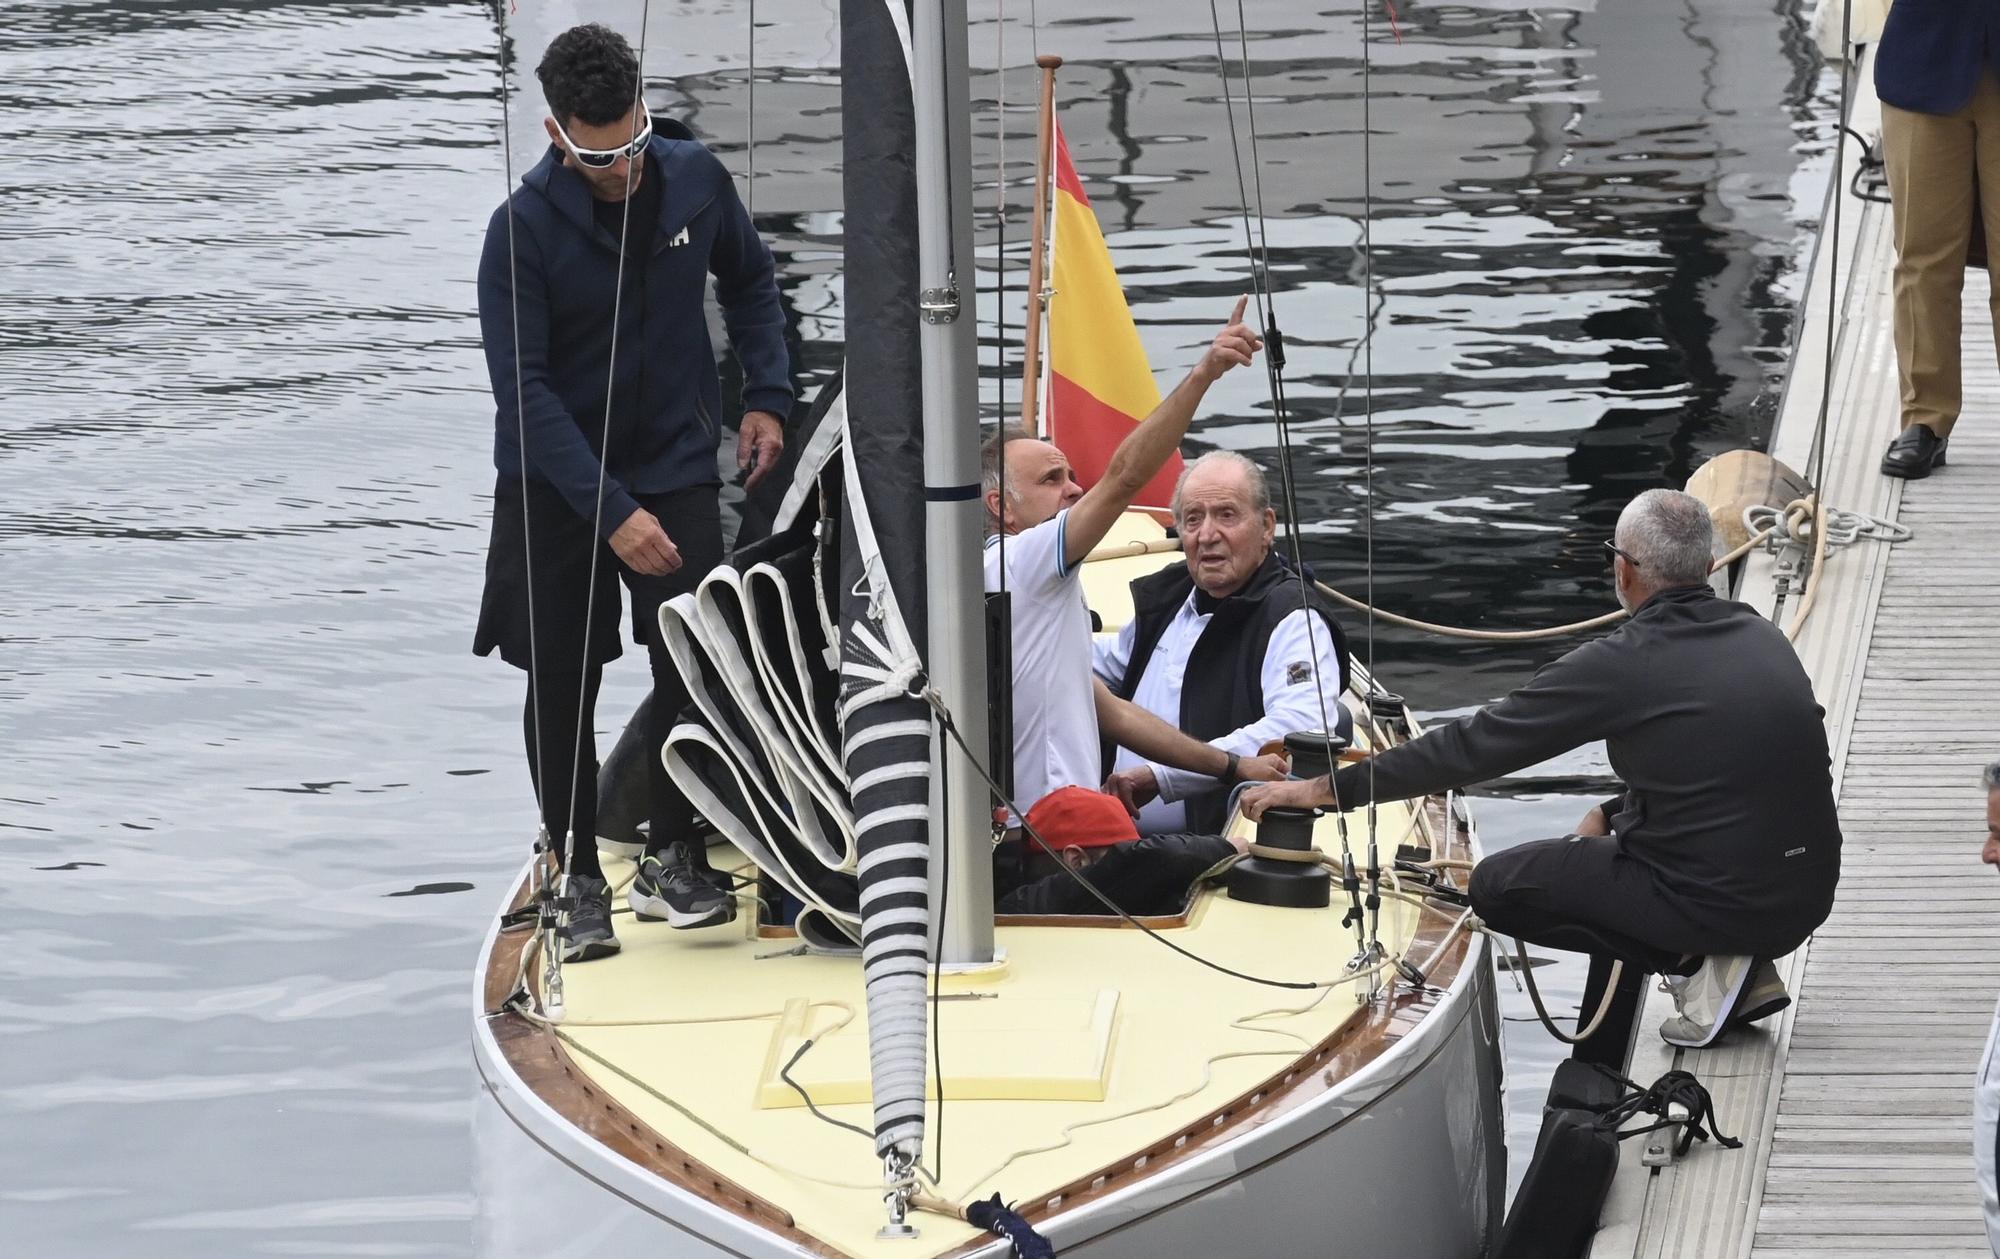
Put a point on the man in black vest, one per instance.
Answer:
(1231, 646)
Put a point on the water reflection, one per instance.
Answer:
(250, 768)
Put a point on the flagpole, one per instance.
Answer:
(1031, 373)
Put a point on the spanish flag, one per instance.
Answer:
(1096, 383)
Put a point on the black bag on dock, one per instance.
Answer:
(1555, 1213)
(1562, 1195)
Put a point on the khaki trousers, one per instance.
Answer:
(1932, 161)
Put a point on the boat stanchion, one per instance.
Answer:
(553, 897)
(897, 1170)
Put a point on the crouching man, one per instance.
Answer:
(1722, 853)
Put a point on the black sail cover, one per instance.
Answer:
(885, 732)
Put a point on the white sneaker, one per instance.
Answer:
(1707, 1000)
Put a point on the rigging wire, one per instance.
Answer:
(1260, 284)
(1274, 369)
(542, 839)
(604, 454)
(1368, 412)
(1835, 306)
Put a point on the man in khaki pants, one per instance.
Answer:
(1934, 71)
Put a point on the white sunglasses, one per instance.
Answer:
(599, 159)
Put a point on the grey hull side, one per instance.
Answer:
(1407, 1158)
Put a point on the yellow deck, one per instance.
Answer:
(1080, 1026)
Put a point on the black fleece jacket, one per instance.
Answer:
(1710, 722)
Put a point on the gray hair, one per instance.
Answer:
(1991, 776)
(991, 453)
(1260, 492)
(1669, 535)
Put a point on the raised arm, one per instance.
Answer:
(1147, 448)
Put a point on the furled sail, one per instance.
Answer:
(805, 745)
(885, 730)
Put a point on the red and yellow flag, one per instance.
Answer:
(1096, 382)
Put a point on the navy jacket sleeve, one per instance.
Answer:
(1573, 700)
(556, 447)
(746, 285)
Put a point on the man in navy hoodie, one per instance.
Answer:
(591, 306)
(1934, 71)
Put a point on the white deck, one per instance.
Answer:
(1855, 1112)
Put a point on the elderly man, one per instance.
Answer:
(1723, 851)
(1231, 647)
(1986, 1095)
(1040, 525)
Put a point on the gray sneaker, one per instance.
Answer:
(668, 886)
(588, 935)
(1707, 1000)
(1763, 996)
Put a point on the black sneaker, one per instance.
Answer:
(669, 887)
(588, 935)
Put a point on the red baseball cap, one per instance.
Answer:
(1077, 817)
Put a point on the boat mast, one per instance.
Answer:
(954, 513)
(1045, 143)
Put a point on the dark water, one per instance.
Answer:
(257, 800)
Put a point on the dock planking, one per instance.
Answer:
(1855, 1110)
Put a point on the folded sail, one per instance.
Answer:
(1096, 382)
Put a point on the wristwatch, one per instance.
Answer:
(1229, 769)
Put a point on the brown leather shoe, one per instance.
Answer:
(1915, 454)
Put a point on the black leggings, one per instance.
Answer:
(577, 620)
(553, 754)
(670, 813)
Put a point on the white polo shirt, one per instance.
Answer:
(1055, 711)
(1291, 698)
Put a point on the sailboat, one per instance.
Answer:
(871, 1063)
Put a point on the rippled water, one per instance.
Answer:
(256, 797)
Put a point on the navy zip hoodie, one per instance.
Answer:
(663, 429)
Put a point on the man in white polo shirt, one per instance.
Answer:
(1040, 525)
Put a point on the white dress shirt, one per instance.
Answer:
(1300, 663)
(1986, 1130)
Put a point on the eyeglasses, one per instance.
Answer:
(1626, 554)
(599, 159)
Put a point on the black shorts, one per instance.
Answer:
(560, 544)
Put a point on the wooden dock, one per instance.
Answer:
(1855, 1111)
